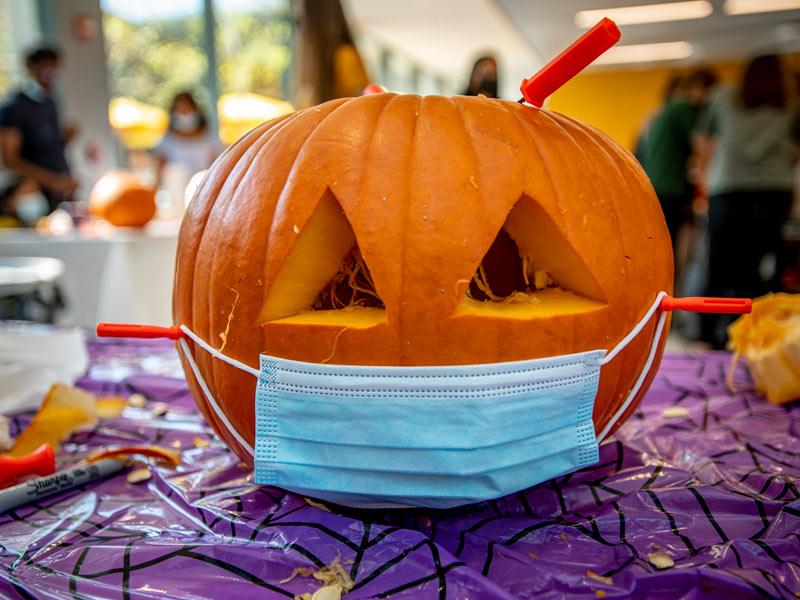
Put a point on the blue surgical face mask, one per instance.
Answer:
(185, 122)
(31, 207)
(433, 437)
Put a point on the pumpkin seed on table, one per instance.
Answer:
(159, 409)
(139, 475)
(137, 400)
(200, 442)
(675, 412)
(660, 560)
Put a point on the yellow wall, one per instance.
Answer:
(618, 102)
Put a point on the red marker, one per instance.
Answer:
(570, 62)
(41, 461)
(720, 306)
(131, 330)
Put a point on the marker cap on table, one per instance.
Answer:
(41, 461)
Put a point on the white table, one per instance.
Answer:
(126, 277)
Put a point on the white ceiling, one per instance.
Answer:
(446, 35)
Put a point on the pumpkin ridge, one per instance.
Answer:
(594, 166)
(339, 103)
(597, 142)
(472, 152)
(362, 182)
(623, 360)
(261, 140)
(217, 372)
(183, 303)
(226, 193)
(404, 229)
(609, 195)
(200, 225)
(525, 124)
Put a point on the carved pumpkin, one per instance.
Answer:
(401, 230)
(121, 198)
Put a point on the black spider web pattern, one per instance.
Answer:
(437, 553)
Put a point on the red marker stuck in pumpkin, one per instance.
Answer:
(570, 62)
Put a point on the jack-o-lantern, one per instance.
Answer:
(405, 230)
(121, 198)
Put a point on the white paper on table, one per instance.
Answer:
(32, 358)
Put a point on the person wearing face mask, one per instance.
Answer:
(32, 140)
(483, 79)
(188, 142)
(22, 203)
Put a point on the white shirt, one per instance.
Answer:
(193, 153)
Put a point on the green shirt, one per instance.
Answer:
(666, 148)
(755, 147)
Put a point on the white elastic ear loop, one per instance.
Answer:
(647, 365)
(633, 332)
(217, 354)
(211, 401)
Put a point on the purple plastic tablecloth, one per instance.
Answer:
(714, 487)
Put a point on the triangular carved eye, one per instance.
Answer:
(325, 271)
(530, 255)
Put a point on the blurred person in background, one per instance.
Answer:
(32, 141)
(667, 147)
(483, 78)
(188, 143)
(749, 134)
(674, 90)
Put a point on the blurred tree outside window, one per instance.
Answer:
(154, 49)
(157, 48)
(8, 57)
(253, 46)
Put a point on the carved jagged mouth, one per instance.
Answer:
(529, 270)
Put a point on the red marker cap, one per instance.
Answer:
(41, 461)
(372, 88)
(131, 330)
(699, 304)
(570, 62)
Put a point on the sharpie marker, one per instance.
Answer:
(35, 489)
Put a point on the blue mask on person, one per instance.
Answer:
(435, 437)
(31, 207)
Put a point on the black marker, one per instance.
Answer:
(42, 487)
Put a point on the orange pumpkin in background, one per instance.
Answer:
(404, 230)
(121, 198)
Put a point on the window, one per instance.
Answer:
(154, 49)
(253, 41)
(157, 48)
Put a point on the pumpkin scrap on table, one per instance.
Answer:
(63, 411)
(769, 340)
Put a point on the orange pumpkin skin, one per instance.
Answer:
(120, 198)
(426, 184)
